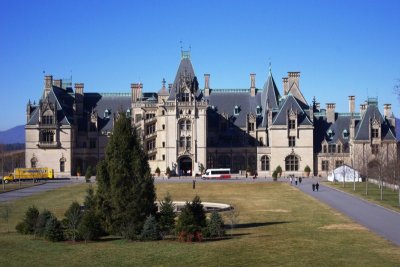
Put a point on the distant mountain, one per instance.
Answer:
(13, 136)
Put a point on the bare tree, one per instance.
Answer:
(233, 217)
(5, 212)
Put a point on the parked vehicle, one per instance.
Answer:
(217, 174)
(29, 174)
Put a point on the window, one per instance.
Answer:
(185, 97)
(151, 128)
(92, 143)
(291, 163)
(152, 157)
(128, 113)
(163, 112)
(251, 126)
(107, 113)
(374, 149)
(331, 148)
(292, 141)
(330, 134)
(151, 144)
(338, 163)
(236, 111)
(188, 142)
(163, 144)
(163, 157)
(345, 134)
(325, 165)
(375, 133)
(163, 126)
(182, 141)
(210, 161)
(339, 148)
(62, 165)
(188, 125)
(265, 163)
(292, 124)
(325, 149)
(47, 137)
(92, 127)
(258, 110)
(47, 120)
(261, 141)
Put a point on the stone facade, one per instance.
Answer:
(185, 128)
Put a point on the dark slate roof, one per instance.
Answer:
(363, 129)
(100, 102)
(290, 102)
(341, 124)
(185, 69)
(225, 101)
(269, 97)
(63, 102)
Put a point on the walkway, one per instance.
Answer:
(380, 220)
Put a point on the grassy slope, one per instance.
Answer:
(278, 226)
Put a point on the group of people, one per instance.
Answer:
(315, 186)
(295, 179)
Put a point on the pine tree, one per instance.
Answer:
(41, 223)
(198, 211)
(27, 226)
(53, 230)
(167, 215)
(215, 226)
(71, 222)
(150, 229)
(125, 185)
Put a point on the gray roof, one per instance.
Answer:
(291, 103)
(269, 97)
(225, 102)
(363, 129)
(185, 69)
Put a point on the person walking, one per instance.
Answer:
(295, 180)
(291, 180)
(300, 179)
(194, 184)
(313, 187)
(317, 186)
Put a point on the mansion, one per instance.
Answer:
(188, 127)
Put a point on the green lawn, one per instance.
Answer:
(390, 196)
(278, 226)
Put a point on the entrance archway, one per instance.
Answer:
(185, 166)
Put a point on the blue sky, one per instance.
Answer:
(341, 48)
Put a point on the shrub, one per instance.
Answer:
(158, 171)
(167, 216)
(279, 170)
(150, 229)
(90, 227)
(168, 171)
(307, 169)
(89, 173)
(275, 175)
(53, 231)
(215, 225)
(71, 222)
(190, 221)
(28, 225)
(41, 223)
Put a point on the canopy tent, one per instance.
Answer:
(345, 173)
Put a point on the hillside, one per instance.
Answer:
(15, 135)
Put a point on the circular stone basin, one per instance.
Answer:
(208, 206)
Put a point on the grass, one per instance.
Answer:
(278, 226)
(390, 196)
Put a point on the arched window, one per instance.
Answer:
(291, 163)
(265, 163)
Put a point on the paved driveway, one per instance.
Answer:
(50, 185)
(378, 219)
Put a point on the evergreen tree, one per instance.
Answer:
(89, 226)
(41, 223)
(53, 230)
(215, 226)
(125, 185)
(167, 215)
(90, 199)
(27, 226)
(150, 229)
(191, 221)
(71, 222)
(198, 211)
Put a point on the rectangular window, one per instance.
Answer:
(261, 141)
(292, 141)
(331, 148)
(338, 163)
(325, 165)
(292, 124)
(375, 133)
(62, 166)
(151, 144)
(151, 128)
(182, 142)
(163, 126)
(251, 126)
(47, 120)
(163, 157)
(188, 142)
(339, 149)
(325, 149)
(163, 144)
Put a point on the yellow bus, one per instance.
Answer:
(29, 173)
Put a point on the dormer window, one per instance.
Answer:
(128, 113)
(185, 96)
(258, 110)
(330, 134)
(345, 134)
(107, 113)
(292, 124)
(374, 133)
(236, 111)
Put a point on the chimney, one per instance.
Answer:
(134, 90)
(79, 97)
(387, 110)
(293, 79)
(363, 107)
(169, 87)
(352, 99)
(252, 84)
(330, 112)
(285, 85)
(206, 84)
(140, 91)
(48, 84)
(58, 83)
(318, 106)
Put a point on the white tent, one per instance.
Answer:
(344, 172)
